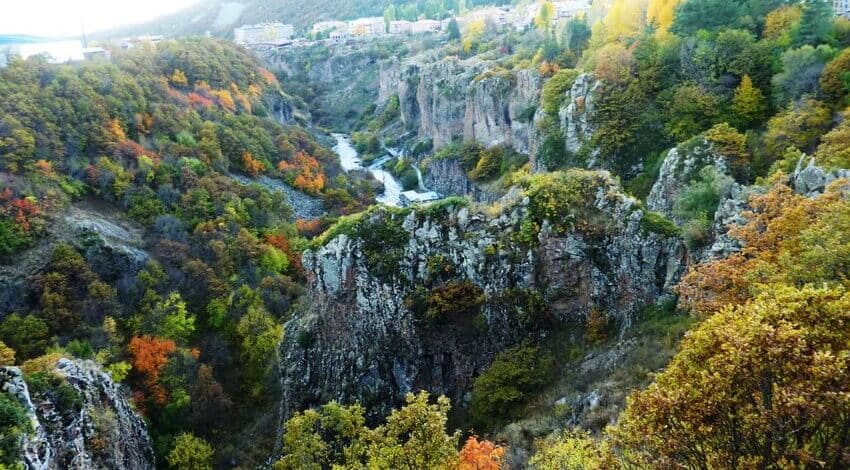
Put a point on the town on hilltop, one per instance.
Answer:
(276, 34)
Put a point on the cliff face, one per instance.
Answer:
(576, 114)
(445, 98)
(363, 336)
(100, 430)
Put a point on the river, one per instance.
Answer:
(349, 160)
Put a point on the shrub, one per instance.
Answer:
(14, 422)
(653, 222)
(527, 306)
(454, 299)
(554, 91)
(510, 381)
(701, 197)
(383, 240)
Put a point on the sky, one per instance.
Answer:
(64, 17)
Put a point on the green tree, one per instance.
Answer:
(414, 437)
(694, 15)
(28, 335)
(453, 30)
(14, 422)
(259, 334)
(573, 450)
(748, 104)
(508, 383)
(801, 70)
(815, 23)
(190, 453)
(333, 435)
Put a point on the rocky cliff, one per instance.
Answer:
(442, 99)
(82, 421)
(372, 329)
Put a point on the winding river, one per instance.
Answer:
(349, 160)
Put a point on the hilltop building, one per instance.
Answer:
(401, 27)
(841, 8)
(573, 8)
(328, 26)
(367, 27)
(264, 33)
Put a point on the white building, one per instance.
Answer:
(374, 26)
(426, 26)
(96, 53)
(401, 27)
(573, 8)
(841, 8)
(326, 26)
(264, 33)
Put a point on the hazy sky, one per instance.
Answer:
(63, 17)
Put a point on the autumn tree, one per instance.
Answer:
(835, 79)
(251, 165)
(150, 354)
(752, 385)
(660, 14)
(545, 16)
(7, 355)
(480, 455)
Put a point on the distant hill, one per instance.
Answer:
(220, 16)
(19, 38)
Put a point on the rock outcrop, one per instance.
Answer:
(112, 245)
(363, 335)
(682, 165)
(576, 114)
(446, 177)
(90, 427)
(443, 98)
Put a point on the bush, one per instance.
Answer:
(510, 381)
(701, 197)
(454, 299)
(12, 238)
(653, 222)
(554, 91)
(14, 422)
(383, 240)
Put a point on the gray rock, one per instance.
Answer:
(104, 433)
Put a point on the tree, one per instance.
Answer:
(800, 125)
(28, 335)
(694, 15)
(190, 453)
(7, 355)
(150, 354)
(453, 30)
(389, 16)
(660, 14)
(259, 334)
(815, 23)
(835, 79)
(473, 34)
(752, 385)
(545, 16)
(334, 435)
(480, 455)
(506, 385)
(414, 437)
(170, 319)
(178, 78)
(782, 24)
(14, 423)
(576, 34)
(748, 104)
(801, 70)
(573, 450)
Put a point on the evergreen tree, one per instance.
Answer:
(453, 30)
(816, 23)
(748, 104)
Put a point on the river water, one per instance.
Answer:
(349, 160)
